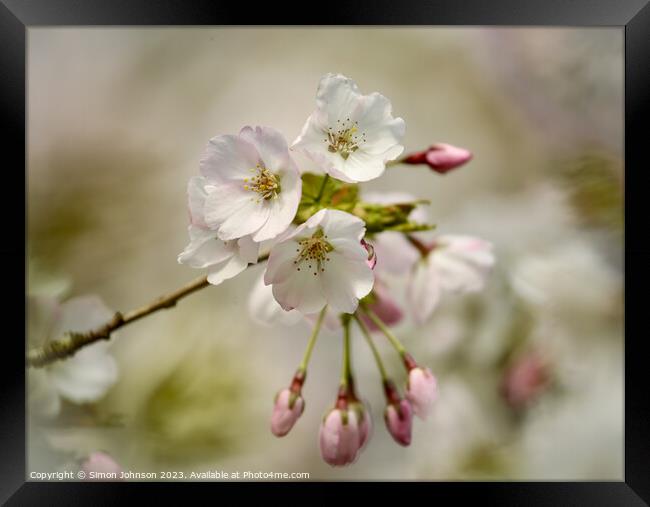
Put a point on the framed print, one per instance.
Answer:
(387, 245)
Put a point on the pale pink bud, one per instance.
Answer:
(525, 380)
(399, 419)
(340, 437)
(440, 157)
(384, 307)
(286, 411)
(365, 424)
(421, 391)
(100, 463)
(372, 257)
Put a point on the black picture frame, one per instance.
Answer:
(16, 16)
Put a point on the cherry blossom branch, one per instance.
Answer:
(71, 342)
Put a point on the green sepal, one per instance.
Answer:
(334, 195)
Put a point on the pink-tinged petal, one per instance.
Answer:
(99, 466)
(247, 221)
(422, 391)
(271, 146)
(228, 158)
(399, 421)
(286, 414)
(423, 292)
(371, 260)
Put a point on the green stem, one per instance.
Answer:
(375, 352)
(346, 371)
(312, 340)
(384, 329)
(322, 188)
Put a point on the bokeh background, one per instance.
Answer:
(117, 121)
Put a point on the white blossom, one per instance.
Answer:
(223, 259)
(88, 374)
(350, 136)
(253, 186)
(321, 262)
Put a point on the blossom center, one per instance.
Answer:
(345, 138)
(313, 251)
(265, 183)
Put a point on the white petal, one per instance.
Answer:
(205, 249)
(86, 376)
(339, 224)
(301, 291)
(226, 270)
(265, 309)
(363, 166)
(338, 95)
(457, 274)
(249, 250)
(280, 265)
(346, 281)
(423, 292)
(394, 253)
(197, 194)
(228, 158)
(248, 218)
(81, 314)
(282, 210)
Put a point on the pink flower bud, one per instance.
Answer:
(384, 307)
(421, 391)
(372, 257)
(286, 411)
(525, 380)
(340, 437)
(440, 157)
(365, 424)
(102, 463)
(399, 419)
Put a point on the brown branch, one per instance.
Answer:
(71, 342)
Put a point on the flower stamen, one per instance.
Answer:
(265, 183)
(315, 250)
(345, 138)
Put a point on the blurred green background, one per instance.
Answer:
(117, 121)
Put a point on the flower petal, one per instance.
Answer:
(423, 291)
(228, 158)
(302, 291)
(346, 281)
(205, 249)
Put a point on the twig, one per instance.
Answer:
(71, 342)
